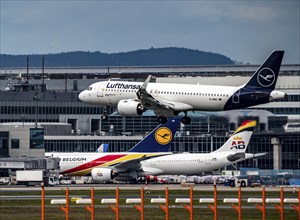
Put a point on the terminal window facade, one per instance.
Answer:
(290, 152)
(15, 143)
(4, 135)
(290, 98)
(128, 125)
(87, 145)
(36, 138)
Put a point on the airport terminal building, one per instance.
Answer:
(79, 127)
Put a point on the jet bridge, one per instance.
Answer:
(28, 163)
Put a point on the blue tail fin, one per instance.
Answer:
(102, 148)
(266, 76)
(159, 140)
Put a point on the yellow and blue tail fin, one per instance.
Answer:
(158, 140)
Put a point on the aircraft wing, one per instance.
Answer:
(155, 103)
(134, 164)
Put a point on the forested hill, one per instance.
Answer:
(147, 57)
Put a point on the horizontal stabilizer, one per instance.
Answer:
(235, 157)
(249, 156)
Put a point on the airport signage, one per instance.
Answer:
(8, 165)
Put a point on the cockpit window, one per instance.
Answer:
(90, 88)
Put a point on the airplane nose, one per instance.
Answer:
(81, 96)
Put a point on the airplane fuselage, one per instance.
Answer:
(187, 163)
(168, 99)
(191, 97)
(79, 164)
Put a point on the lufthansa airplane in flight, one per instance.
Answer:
(169, 99)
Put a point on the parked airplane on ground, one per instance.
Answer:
(169, 99)
(155, 144)
(234, 150)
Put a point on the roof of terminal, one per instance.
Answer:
(47, 96)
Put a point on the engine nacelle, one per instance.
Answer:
(277, 95)
(102, 174)
(130, 107)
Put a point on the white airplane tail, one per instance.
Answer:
(239, 141)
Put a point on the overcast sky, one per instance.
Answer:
(246, 31)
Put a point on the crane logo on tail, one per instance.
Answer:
(266, 77)
(163, 135)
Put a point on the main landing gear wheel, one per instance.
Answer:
(186, 120)
(162, 120)
(105, 113)
(104, 117)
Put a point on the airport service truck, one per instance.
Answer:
(35, 177)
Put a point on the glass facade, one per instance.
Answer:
(291, 98)
(21, 106)
(4, 136)
(15, 143)
(36, 138)
(283, 111)
(87, 145)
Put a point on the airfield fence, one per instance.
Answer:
(188, 203)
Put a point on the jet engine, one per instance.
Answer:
(277, 95)
(103, 174)
(130, 107)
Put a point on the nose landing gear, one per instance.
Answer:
(163, 120)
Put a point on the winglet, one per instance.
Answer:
(143, 87)
(145, 84)
(159, 140)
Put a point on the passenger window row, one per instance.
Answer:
(171, 93)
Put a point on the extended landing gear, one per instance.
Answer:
(186, 120)
(105, 113)
(104, 117)
(163, 120)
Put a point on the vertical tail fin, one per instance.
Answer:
(102, 148)
(239, 141)
(159, 140)
(266, 76)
